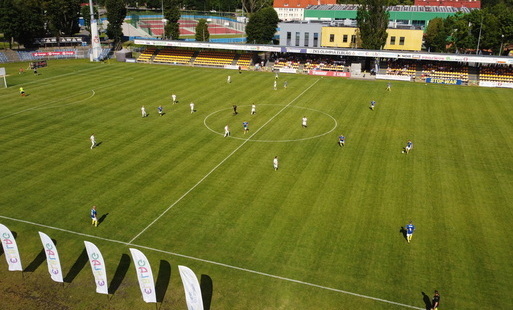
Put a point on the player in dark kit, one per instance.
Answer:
(436, 301)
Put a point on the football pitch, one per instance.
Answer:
(324, 231)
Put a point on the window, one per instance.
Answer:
(297, 38)
(401, 40)
(344, 38)
(353, 39)
(332, 38)
(289, 38)
(316, 39)
(307, 38)
(392, 40)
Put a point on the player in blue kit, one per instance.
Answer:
(341, 140)
(410, 228)
(245, 125)
(408, 147)
(372, 104)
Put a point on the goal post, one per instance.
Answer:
(2, 74)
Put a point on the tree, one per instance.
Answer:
(202, 34)
(22, 21)
(62, 16)
(262, 26)
(116, 13)
(252, 6)
(372, 19)
(8, 19)
(435, 37)
(172, 15)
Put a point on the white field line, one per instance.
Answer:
(46, 105)
(42, 106)
(218, 264)
(222, 162)
(55, 77)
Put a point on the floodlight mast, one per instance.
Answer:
(95, 37)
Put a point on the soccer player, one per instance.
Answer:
(173, 96)
(341, 140)
(410, 228)
(245, 125)
(275, 85)
(408, 147)
(93, 141)
(389, 86)
(285, 84)
(226, 131)
(22, 92)
(305, 120)
(253, 109)
(94, 218)
(436, 301)
(372, 104)
(275, 163)
(235, 109)
(161, 110)
(276, 76)
(143, 111)
(229, 79)
(192, 107)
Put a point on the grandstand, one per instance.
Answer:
(401, 67)
(3, 58)
(244, 60)
(445, 71)
(174, 56)
(155, 27)
(216, 59)
(147, 55)
(503, 74)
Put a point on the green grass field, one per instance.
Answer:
(322, 232)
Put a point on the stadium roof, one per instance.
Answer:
(300, 3)
(330, 51)
(396, 8)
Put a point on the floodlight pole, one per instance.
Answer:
(479, 38)
(95, 37)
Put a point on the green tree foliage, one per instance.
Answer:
(435, 36)
(22, 21)
(252, 6)
(172, 15)
(372, 19)
(62, 17)
(202, 33)
(155, 4)
(116, 12)
(261, 26)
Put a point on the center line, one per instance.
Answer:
(222, 161)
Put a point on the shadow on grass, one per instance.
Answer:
(40, 258)
(427, 301)
(402, 231)
(206, 286)
(121, 271)
(101, 219)
(77, 267)
(162, 280)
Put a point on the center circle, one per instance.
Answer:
(211, 119)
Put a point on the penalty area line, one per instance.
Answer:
(218, 264)
(222, 162)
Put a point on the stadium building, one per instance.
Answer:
(400, 15)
